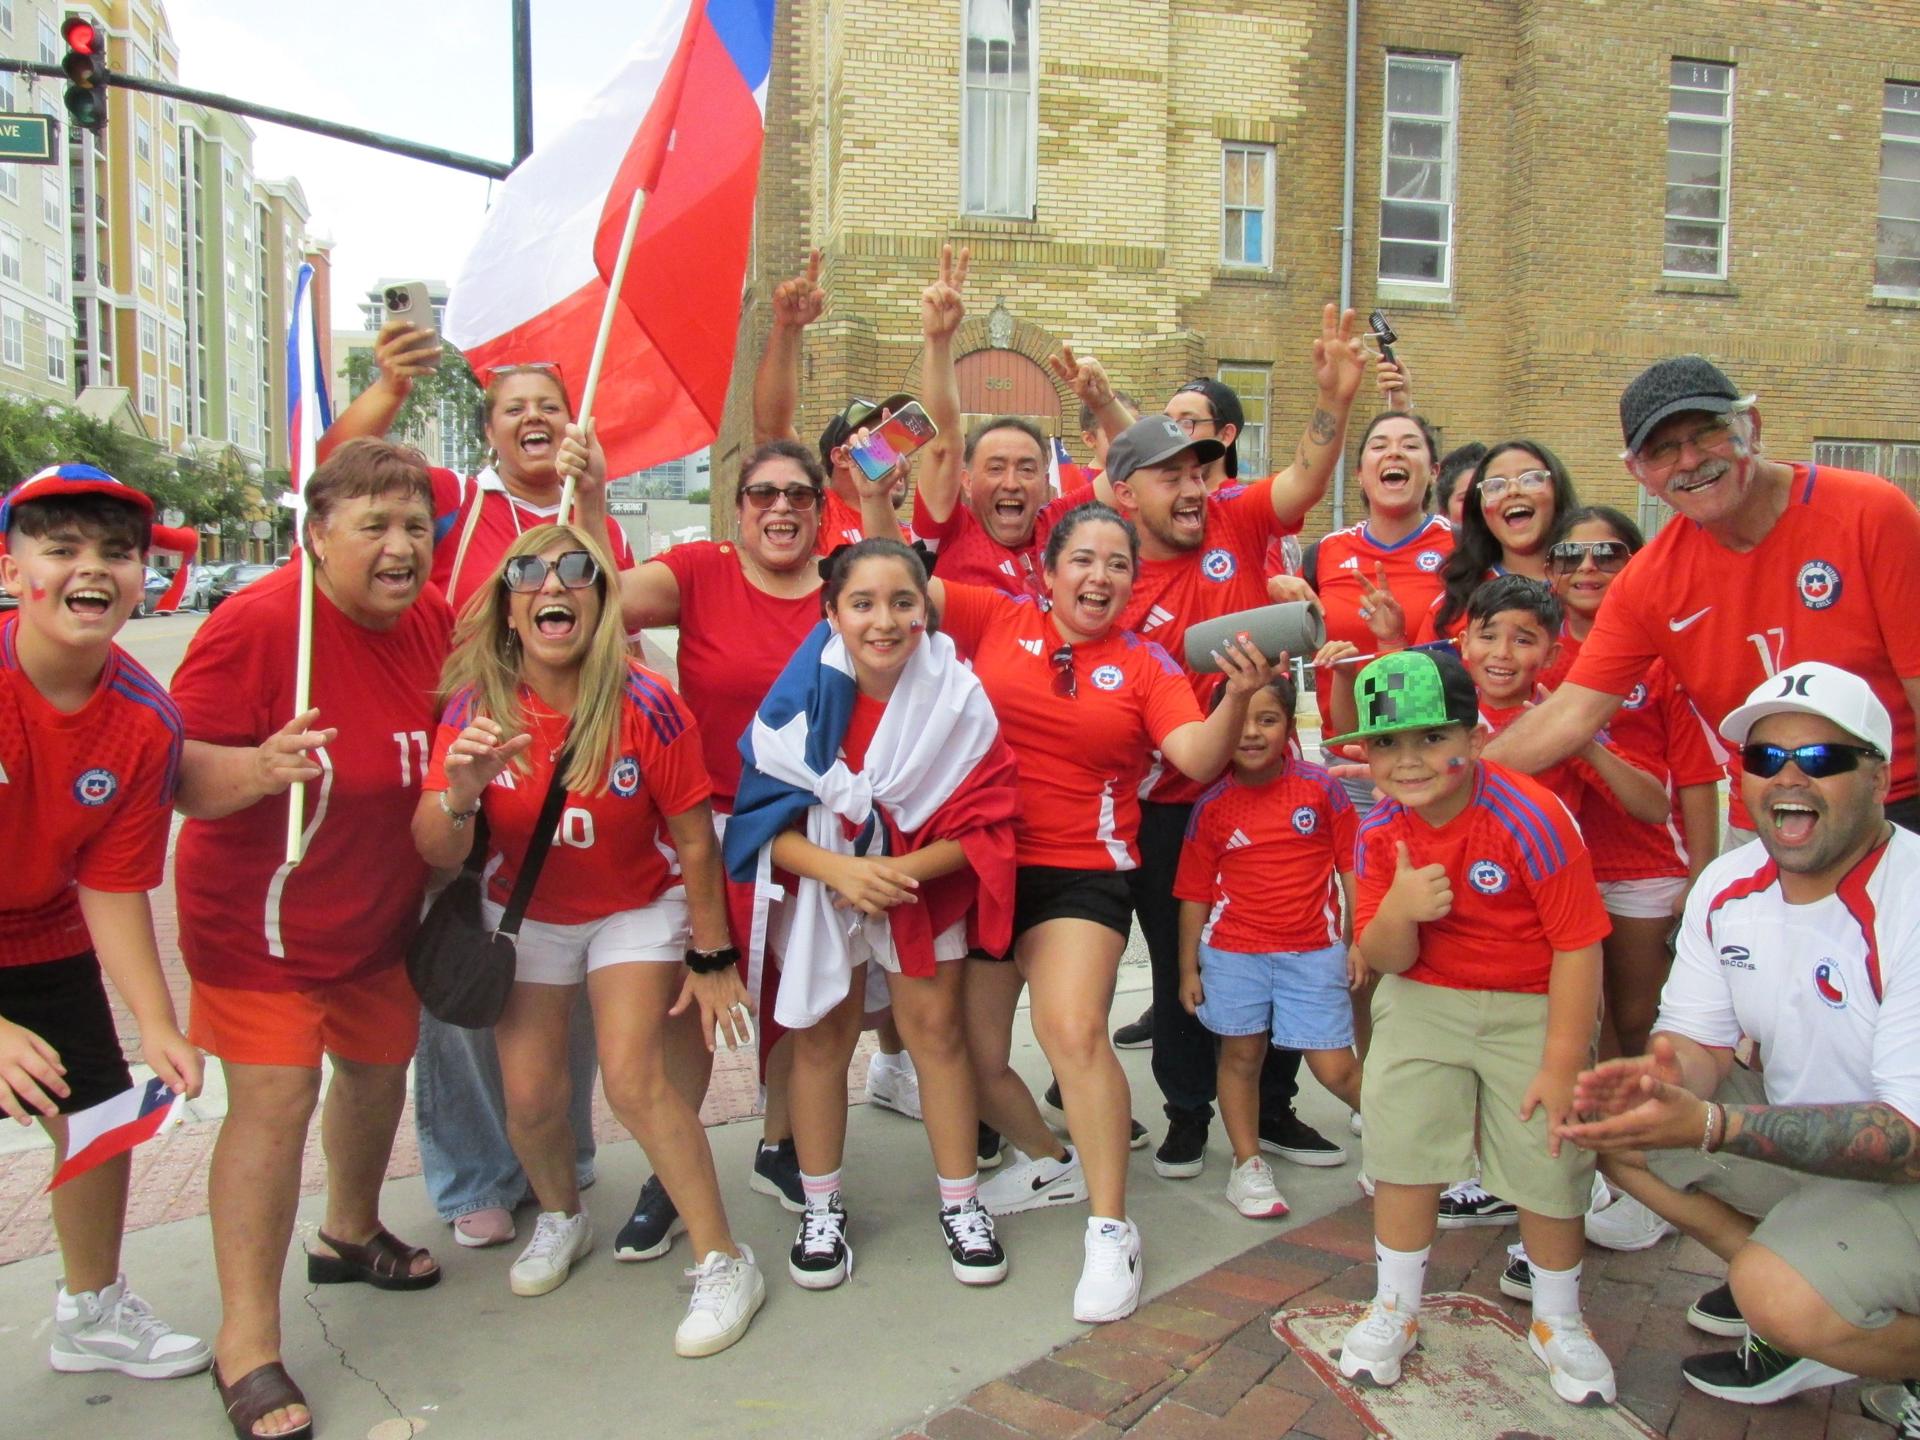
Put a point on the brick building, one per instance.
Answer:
(1571, 190)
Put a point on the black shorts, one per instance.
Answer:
(1054, 892)
(64, 1002)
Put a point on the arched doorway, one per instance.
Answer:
(1005, 382)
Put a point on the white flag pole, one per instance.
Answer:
(304, 344)
(614, 288)
(302, 692)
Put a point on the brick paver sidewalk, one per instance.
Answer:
(1202, 1363)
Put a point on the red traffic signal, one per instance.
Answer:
(85, 64)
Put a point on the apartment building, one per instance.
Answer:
(36, 268)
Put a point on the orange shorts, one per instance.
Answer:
(373, 1020)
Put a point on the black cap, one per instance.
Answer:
(1151, 440)
(1225, 405)
(1670, 387)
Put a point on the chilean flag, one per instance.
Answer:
(115, 1126)
(682, 120)
(308, 414)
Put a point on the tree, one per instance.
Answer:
(446, 403)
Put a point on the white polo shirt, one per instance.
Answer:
(1830, 991)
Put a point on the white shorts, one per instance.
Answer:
(1649, 899)
(567, 954)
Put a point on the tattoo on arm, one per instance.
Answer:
(1323, 427)
(1868, 1141)
(1300, 461)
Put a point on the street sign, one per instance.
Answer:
(174, 517)
(626, 507)
(27, 140)
(263, 530)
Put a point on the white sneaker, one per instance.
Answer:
(893, 1084)
(1353, 1123)
(1026, 1182)
(1365, 1182)
(1577, 1366)
(1251, 1191)
(728, 1292)
(1377, 1343)
(1109, 1287)
(1626, 1224)
(559, 1242)
(114, 1329)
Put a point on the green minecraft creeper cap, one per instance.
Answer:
(1413, 690)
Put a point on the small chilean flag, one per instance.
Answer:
(682, 120)
(308, 413)
(115, 1126)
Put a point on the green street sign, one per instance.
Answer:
(27, 140)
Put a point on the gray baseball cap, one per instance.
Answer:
(1668, 387)
(1151, 440)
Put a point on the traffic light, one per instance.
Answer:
(86, 67)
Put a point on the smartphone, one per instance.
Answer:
(1384, 333)
(411, 303)
(899, 435)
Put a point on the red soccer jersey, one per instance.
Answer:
(1266, 860)
(735, 639)
(612, 851)
(1223, 576)
(840, 524)
(1523, 885)
(964, 553)
(247, 919)
(1835, 579)
(502, 518)
(1080, 759)
(1570, 780)
(1412, 565)
(84, 798)
(1657, 728)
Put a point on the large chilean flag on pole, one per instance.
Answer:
(683, 121)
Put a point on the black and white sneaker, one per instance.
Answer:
(1183, 1154)
(821, 1257)
(649, 1233)
(1471, 1203)
(1715, 1313)
(991, 1149)
(1056, 1112)
(1291, 1138)
(1138, 1035)
(776, 1172)
(1756, 1373)
(976, 1253)
(1517, 1279)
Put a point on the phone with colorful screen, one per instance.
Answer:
(897, 437)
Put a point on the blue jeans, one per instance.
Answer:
(460, 1113)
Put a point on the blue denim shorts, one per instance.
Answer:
(1300, 996)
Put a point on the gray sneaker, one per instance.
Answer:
(114, 1329)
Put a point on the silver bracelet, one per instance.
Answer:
(1714, 1109)
(458, 817)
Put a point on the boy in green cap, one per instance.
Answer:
(1478, 909)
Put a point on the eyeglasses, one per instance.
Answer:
(1527, 481)
(1660, 460)
(526, 574)
(1189, 422)
(1608, 556)
(1816, 762)
(764, 497)
(1064, 683)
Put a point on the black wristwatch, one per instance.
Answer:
(709, 962)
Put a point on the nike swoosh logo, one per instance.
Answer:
(1678, 625)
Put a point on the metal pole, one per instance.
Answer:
(1346, 228)
(522, 80)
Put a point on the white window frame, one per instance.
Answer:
(1448, 161)
(1898, 236)
(57, 346)
(6, 17)
(49, 42)
(143, 202)
(1256, 399)
(143, 139)
(1004, 196)
(1897, 460)
(54, 274)
(144, 268)
(53, 198)
(176, 349)
(149, 329)
(1232, 151)
(9, 182)
(13, 335)
(149, 395)
(13, 255)
(1696, 84)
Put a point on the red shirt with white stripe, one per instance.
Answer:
(1223, 575)
(503, 516)
(85, 798)
(247, 919)
(1345, 557)
(1658, 729)
(1523, 885)
(1081, 759)
(1830, 990)
(965, 553)
(840, 524)
(612, 851)
(1266, 859)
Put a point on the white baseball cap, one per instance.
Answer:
(1815, 688)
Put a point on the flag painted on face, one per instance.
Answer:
(308, 413)
(115, 1126)
(683, 121)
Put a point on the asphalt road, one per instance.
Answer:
(159, 641)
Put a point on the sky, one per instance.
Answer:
(434, 71)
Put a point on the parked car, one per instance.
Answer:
(157, 585)
(200, 582)
(237, 578)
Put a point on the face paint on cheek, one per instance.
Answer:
(917, 626)
(36, 590)
(1458, 762)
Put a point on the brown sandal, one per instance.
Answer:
(257, 1394)
(383, 1262)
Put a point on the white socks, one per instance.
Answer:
(1402, 1277)
(1556, 1293)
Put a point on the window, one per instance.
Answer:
(1416, 170)
(54, 272)
(142, 62)
(10, 252)
(142, 139)
(1251, 383)
(56, 351)
(9, 182)
(233, 329)
(1246, 205)
(176, 349)
(146, 267)
(13, 335)
(170, 165)
(1898, 460)
(149, 396)
(172, 227)
(143, 199)
(168, 116)
(1699, 146)
(1896, 266)
(998, 117)
(176, 410)
(149, 335)
(229, 274)
(6, 16)
(173, 288)
(49, 43)
(53, 198)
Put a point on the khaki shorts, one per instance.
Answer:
(1442, 1059)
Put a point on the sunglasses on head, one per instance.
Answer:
(1610, 556)
(528, 367)
(762, 496)
(1816, 762)
(1065, 685)
(526, 574)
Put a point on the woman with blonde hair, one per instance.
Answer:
(540, 682)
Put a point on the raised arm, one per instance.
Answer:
(649, 596)
(1200, 749)
(797, 303)
(1088, 380)
(1561, 724)
(1339, 364)
(402, 353)
(943, 306)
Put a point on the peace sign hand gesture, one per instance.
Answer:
(1086, 378)
(1381, 609)
(943, 304)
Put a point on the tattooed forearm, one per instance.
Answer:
(1323, 427)
(1867, 1141)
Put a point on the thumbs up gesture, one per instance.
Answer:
(1422, 892)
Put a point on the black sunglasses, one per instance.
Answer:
(1816, 762)
(764, 497)
(525, 574)
(1609, 556)
(1065, 685)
